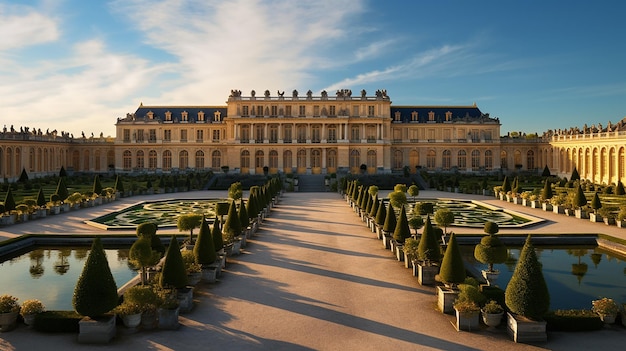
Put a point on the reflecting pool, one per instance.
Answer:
(50, 274)
(575, 276)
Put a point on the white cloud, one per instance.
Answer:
(22, 27)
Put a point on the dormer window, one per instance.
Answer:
(168, 116)
(431, 116)
(150, 115)
(201, 116)
(217, 116)
(448, 116)
(414, 116)
(396, 116)
(184, 116)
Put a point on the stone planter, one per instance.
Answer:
(209, 275)
(609, 220)
(185, 299)
(96, 331)
(8, 321)
(581, 214)
(517, 200)
(621, 224)
(525, 202)
(168, 318)
(490, 276)
(558, 209)
(492, 319)
(400, 252)
(426, 273)
(132, 320)
(55, 210)
(407, 260)
(467, 320)
(524, 330)
(386, 240)
(445, 299)
(594, 217)
(8, 219)
(608, 318)
(29, 319)
(546, 207)
(535, 204)
(236, 249)
(193, 278)
(148, 320)
(569, 212)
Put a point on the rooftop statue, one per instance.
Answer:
(294, 93)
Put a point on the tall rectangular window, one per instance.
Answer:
(216, 135)
(126, 135)
(183, 135)
(302, 111)
(140, 137)
(152, 137)
(167, 135)
(288, 111)
(199, 135)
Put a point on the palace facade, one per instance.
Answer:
(323, 134)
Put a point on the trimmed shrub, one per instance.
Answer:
(493, 293)
(119, 185)
(189, 221)
(97, 185)
(428, 249)
(216, 235)
(546, 193)
(204, 250)
(390, 220)
(96, 292)
(527, 293)
(381, 213)
(452, 267)
(232, 226)
(596, 204)
(398, 198)
(402, 230)
(374, 209)
(423, 208)
(573, 320)
(619, 188)
(575, 175)
(444, 217)
(579, 199)
(506, 185)
(173, 273)
(244, 219)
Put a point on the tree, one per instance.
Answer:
(119, 185)
(143, 256)
(216, 235)
(204, 250)
(452, 270)
(189, 221)
(546, 171)
(373, 190)
(490, 250)
(62, 189)
(374, 209)
(527, 292)
(96, 292)
(619, 188)
(546, 193)
(428, 249)
(173, 274)
(444, 217)
(390, 220)
(596, 204)
(62, 172)
(397, 199)
(414, 191)
(232, 226)
(575, 176)
(402, 230)
(579, 199)
(97, 186)
(381, 213)
(244, 219)
(9, 201)
(416, 223)
(235, 191)
(41, 198)
(506, 185)
(23, 176)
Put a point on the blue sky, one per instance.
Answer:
(78, 65)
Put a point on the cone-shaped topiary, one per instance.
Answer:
(9, 201)
(251, 208)
(204, 250)
(216, 235)
(368, 206)
(95, 293)
(97, 186)
(62, 189)
(402, 230)
(575, 175)
(506, 185)
(62, 172)
(381, 213)
(374, 209)
(119, 185)
(23, 176)
(596, 204)
(452, 270)
(244, 219)
(546, 193)
(527, 293)
(490, 250)
(579, 199)
(41, 198)
(174, 274)
(428, 249)
(390, 220)
(232, 226)
(546, 171)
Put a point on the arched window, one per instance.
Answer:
(140, 159)
(462, 159)
(259, 159)
(621, 163)
(199, 159)
(530, 160)
(216, 159)
(488, 160)
(273, 159)
(475, 160)
(414, 159)
(75, 160)
(504, 163)
(183, 160)
(287, 162)
(97, 159)
(127, 160)
(167, 160)
(355, 159)
(301, 158)
(152, 160)
(86, 163)
(331, 159)
(316, 158)
(431, 159)
(397, 159)
(517, 156)
(371, 159)
(245, 159)
(446, 161)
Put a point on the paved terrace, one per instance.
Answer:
(314, 278)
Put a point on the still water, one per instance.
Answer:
(50, 274)
(575, 276)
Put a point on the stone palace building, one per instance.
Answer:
(306, 134)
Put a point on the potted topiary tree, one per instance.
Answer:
(527, 298)
(492, 314)
(174, 276)
(189, 221)
(444, 217)
(452, 272)
(596, 204)
(389, 227)
(401, 233)
(410, 254)
(381, 216)
(204, 251)
(467, 307)
(413, 191)
(244, 219)
(546, 195)
(415, 223)
(621, 217)
(489, 251)
(429, 254)
(95, 296)
(373, 213)
(579, 201)
(232, 229)
(30, 309)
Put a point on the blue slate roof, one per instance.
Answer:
(192, 111)
(459, 113)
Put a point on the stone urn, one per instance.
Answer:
(132, 320)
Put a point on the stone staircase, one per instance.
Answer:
(311, 183)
